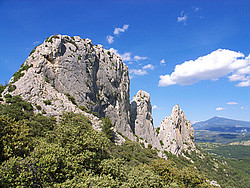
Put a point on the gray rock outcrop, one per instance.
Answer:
(71, 74)
(176, 132)
(95, 77)
(142, 121)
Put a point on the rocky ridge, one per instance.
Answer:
(72, 74)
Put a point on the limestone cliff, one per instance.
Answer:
(141, 119)
(95, 77)
(176, 133)
(71, 74)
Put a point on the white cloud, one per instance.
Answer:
(149, 66)
(182, 18)
(155, 107)
(114, 50)
(118, 30)
(220, 108)
(126, 56)
(232, 103)
(242, 108)
(137, 58)
(110, 39)
(242, 75)
(138, 72)
(217, 64)
(162, 62)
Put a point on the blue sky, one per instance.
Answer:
(191, 53)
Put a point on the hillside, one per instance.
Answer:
(66, 121)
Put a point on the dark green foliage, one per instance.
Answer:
(79, 57)
(2, 87)
(73, 42)
(46, 79)
(83, 108)
(107, 128)
(109, 53)
(34, 50)
(19, 73)
(37, 151)
(71, 98)
(161, 143)
(158, 130)
(50, 39)
(11, 88)
(47, 102)
(16, 108)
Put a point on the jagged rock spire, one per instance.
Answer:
(176, 132)
(141, 119)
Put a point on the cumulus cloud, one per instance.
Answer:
(126, 56)
(220, 108)
(137, 58)
(182, 18)
(217, 64)
(242, 75)
(139, 72)
(114, 50)
(118, 30)
(110, 39)
(149, 66)
(232, 103)
(162, 62)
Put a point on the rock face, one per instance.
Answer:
(95, 77)
(176, 132)
(71, 74)
(141, 119)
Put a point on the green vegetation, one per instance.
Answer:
(161, 143)
(49, 39)
(71, 98)
(2, 88)
(107, 128)
(79, 57)
(158, 130)
(47, 102)
(237, 156)
(19, 73)
(11, 88)
(38, 151)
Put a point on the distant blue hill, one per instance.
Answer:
(223, 125)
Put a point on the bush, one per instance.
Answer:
(47, 102)
(11, 88)
(72, 99)
(107, 128)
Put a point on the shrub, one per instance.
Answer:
(38, 107)
(107, 128)
(19, 73)
(11, 88)
(161, 143)
(47, 102)
(158, 130)
(72, 99)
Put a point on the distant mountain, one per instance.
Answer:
(223, 125)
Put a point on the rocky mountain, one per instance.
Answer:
(71, 74)
(142, 120)
(176, 133)
(223, 125)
